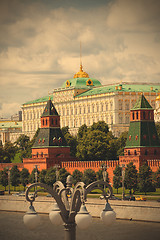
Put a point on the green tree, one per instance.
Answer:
(1, 153)
(50, 177)
(65, 130)
(4, 178)
(42, 175)
(72, 142)
(117, 178)
(157, 178)
(24, 146)
(77, 176)
(158, 129)
(82, 131)
(63, 175)
(145, 179)
(15, 176)
(89, 176)
(121, 143)
(93, 146)
(101, 126)
(130, 180)
(24, 177)
(9, 151)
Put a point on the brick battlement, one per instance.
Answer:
(94, 165)
(10, 165)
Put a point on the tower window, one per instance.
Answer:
(144, 115)
(137, 114)
(43, 122)
(133, 115)
(135, 152)
(46, 121)
(129, 153)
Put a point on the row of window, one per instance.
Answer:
(145, 153)
(88, 121)
(95, 108)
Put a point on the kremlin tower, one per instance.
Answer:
(50, 147)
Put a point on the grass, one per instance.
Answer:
(95, 193)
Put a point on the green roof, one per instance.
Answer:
(81, 83)
(11, 124)
(39, 100)
(49, 109)
(142, 103)
(50, 137)
(142, 134)
(125, 88)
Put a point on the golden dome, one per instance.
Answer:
(81, 74)
(158, 98)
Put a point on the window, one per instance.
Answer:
(129, 153)
(144, 115)
(133, 115)
(120, 105)
(106, 106)
(46, 122)
(88, 109)
(137, 115)
(146, 152)
(102, 108)
(127, 119)
(43, 122)
(52, 121)
(135, 152)
(155, 152)
(120, 119)
(127, 105)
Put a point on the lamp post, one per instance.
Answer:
(104, 173)
(123, 175)
(57, 167)
(70, 211)
(9, 177)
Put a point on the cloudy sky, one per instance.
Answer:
(40, 45)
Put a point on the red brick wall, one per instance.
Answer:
(94, 165)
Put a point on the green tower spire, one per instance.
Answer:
(142, 130)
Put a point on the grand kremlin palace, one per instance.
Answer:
(84, 100)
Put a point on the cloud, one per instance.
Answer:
(40, 44)
(137, 15)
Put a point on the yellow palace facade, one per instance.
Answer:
(84, 100)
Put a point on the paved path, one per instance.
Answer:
(12, 227)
